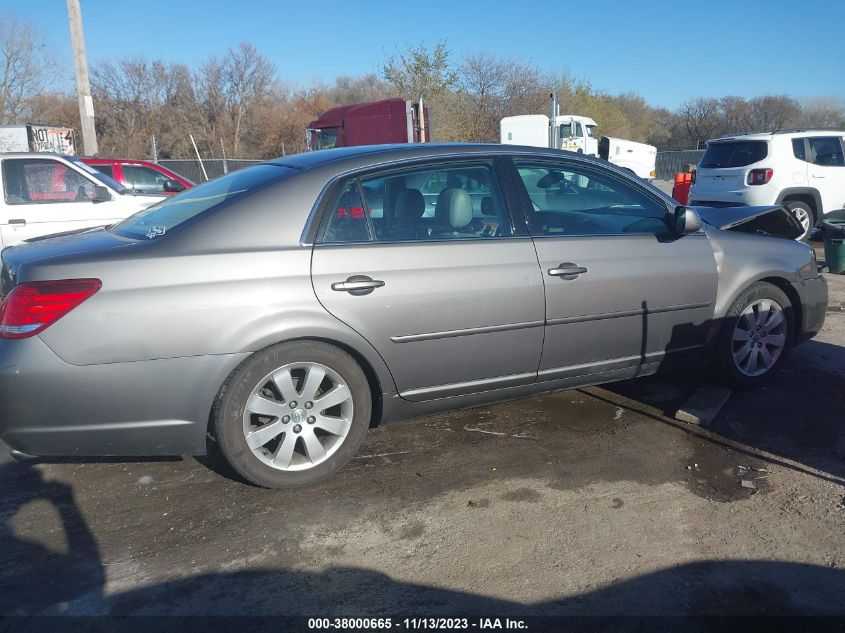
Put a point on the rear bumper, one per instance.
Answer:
(813, 295)
(746, 197)
(158, 407)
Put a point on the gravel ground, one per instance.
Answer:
(591, 501)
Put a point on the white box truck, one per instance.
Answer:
(576, 133)
(37, 138)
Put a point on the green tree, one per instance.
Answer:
(421, 72)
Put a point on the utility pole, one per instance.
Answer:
(83, 87)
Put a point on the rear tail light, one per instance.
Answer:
(33, 306)
(759, 176)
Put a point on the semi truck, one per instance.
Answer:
(37, 138)
(578, 134)
(373, 123)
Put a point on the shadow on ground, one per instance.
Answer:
(797, 414)
(72, 582)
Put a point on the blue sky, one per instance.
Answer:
(667, 51)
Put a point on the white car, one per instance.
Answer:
(802, 169)
(48, 193)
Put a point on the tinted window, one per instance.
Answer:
(798, 149)
(734, 153)
(826, 150)
(36, 180)
(143, 179)
(573, 200)
(108, 170)
(433, 203)
(347, 220)
(169, 213)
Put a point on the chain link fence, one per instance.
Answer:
(192, 170)
(670, 162)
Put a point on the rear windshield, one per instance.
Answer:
(158, 219)
(734, 153)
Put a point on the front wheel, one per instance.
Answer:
(293, 414)
(755, 335)
(804, 214)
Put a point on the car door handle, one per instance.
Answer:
(567, 270)
(358, 285)
(817, 176)
(17, 221)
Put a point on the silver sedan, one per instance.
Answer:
(277, 313)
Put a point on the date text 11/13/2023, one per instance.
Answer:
(415, 624)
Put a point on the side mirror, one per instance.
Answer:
(101, 194)
(173, 186)
(686, 220)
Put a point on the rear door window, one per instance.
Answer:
(724, 154)
(143, 179)
(826, 151)
(442, 202)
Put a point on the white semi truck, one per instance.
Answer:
(576, 133)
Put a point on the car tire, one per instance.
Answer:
(804, 214)
(755, 336)
(278, 391)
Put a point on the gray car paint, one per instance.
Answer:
(135, 369)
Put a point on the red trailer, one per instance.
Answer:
(374, 123)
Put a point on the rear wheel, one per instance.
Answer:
(804, 214)
(756, 334)
(293, 414)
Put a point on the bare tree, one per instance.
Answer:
(26, 64)
(823, 112)
(702, 119)
(231, 87)
(491, 87)
(772, 112)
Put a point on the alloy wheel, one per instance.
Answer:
(297, 416)
(759, 337)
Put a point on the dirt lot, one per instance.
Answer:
(592, 501)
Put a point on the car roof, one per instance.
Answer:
(344, 157)
(107, 160)
(766, 136)
(33, 155)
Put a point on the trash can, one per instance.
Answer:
(833, 228)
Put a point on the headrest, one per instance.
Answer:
(455, 207)
(410, 205)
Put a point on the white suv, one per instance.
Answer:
(802, 169)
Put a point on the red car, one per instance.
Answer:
(140, 175)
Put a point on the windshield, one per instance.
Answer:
(591, 131)
(733, 153)
(111, 183)
(327, 139)
(171, 212)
